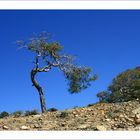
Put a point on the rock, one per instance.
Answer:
(137, 128)
(37, 126)
(137, 121)
(108, 120)
(129, 119)
(132, 116)
(5, 127)
(136, 111)
(121, 125)
(115, 119)
(137, 116)
(37, 116)
(24, 127)
(83, 126)
(121, 116)
(40, 119)
(114, 128)
(101, 128)
(63, 124)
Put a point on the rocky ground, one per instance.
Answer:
(100, 116)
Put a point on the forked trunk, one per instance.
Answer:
(40, 91)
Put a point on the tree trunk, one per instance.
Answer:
(39, 89)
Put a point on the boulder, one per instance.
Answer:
(101, 128)
(24, 127)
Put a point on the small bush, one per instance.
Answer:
(113, 112)
(32, 112)
(63, 114)
(4, 114)
(17, 113)
(52, 109)
(90, 105)
(75, 107)
(110, 113)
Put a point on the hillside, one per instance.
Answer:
(100, 116)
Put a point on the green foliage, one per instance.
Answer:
(103, 96)
(112, 113)
(63, 114)
(4, 114)
(32, 112)
(53, 47)
(48, 54)
(79, 78)
(41, 45)
(52, 109)
(75, 107)
(124, 87)
(17, 113)
(89, 105)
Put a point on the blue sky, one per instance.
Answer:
(108, 41)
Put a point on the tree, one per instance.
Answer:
(126, 86)
(103, 95)
(49, 55)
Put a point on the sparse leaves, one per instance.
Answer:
(79, 78)
(48, 55)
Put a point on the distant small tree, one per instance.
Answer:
(17, 113)
(47, 56)
(4, 114)
(103, 95)
(126, 86)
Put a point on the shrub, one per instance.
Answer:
(75, 107)
(17, 113)
(90, 105)
(52, 109)
(103, 96)
(63, 114)
(4, 114)
(32, 112)
(113, 112)
(124, 87)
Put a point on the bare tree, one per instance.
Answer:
(49, 55)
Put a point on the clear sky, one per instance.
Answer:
(108, 41)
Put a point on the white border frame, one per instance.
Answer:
(55, 4)
(67, 4)
(69, 135)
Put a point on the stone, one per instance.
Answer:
(5, 127)
(137, 121)
(137, 128)
(83, 126)
(40, 119)
(121, 116)
(101, 128)
(24, 127)
(131, 115)
(115, 119)
(108, 120)
(63, 124)
(129, 119)
(137, 116)
(37, 116)
(37, 126)
(136, 111)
